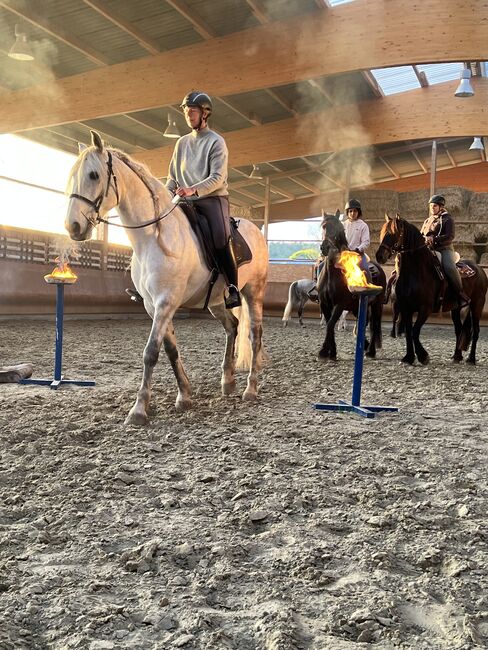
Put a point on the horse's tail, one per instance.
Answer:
(466, 332)
(290, 304)
(243, 343)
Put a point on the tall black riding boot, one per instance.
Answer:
(228, 266)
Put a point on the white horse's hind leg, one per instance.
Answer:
(255, 313)
(230, 323)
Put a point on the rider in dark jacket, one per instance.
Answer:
(438, 231)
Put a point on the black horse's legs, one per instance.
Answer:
(476, 333)
(407, 320)
(456, 319)
(420, 351)
(375, 328)
(329, 349)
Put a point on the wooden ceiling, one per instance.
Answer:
(291, 82)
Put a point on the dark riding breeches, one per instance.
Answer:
(215, 210)
(450, 268)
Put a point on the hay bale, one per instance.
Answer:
(13, 374)
(478, 212)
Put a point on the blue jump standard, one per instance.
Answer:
(58, 379)
(354, 405)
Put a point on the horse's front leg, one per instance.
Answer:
(161, 320)
(407, 321)
(255, 315)
(458, 326)
(420, 351)
(329, 349)
(229, 323)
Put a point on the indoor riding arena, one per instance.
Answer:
(195, 508)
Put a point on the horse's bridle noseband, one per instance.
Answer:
(97, 203)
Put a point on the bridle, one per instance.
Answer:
(398, 247)
(97, 203)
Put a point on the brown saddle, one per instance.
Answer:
(200, 227)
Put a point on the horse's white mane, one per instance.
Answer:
(99, 165)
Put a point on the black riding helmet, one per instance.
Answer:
(198, 99)
(437, 199)
(353, 203)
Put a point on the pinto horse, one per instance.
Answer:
(418, 290)
(334, 294)
(168, 267)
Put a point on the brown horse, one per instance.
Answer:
(418, 290)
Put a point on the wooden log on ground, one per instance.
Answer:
(13, 374)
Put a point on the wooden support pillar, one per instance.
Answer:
(267, 205)
(433, 167)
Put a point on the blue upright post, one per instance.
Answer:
(355, 405)
(58, 380)
(358, 360)
(58, 359)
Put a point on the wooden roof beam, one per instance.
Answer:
(144, 40)
(266, 64)
(421, 76)
(198, 24)
(419, 162)
(449, 155)
(399, 117)
(56, 32)
(258, 11)
(388, 167)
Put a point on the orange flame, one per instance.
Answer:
(355, 277)
(62, 272)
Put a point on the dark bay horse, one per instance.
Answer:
(334, 295)
(418, 290)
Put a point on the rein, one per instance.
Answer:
(96, 204)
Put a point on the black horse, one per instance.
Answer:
(334, 295)
(419, 287)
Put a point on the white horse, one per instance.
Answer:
(168, 267)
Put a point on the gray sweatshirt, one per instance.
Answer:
(199, 161)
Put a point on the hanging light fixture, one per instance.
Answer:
(21, 49)
(172, 131)
(256, 172)
(465, 89)
(477, 145)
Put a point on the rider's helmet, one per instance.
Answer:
(198, 99)
(437, 199)
(353, 203)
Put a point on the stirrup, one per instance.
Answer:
(233, 299)
(134, 295)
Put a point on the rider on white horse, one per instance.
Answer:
(198, 173)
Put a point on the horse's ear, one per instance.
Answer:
(338, 214)
(97, 140)
(387, 217)
(81, 147)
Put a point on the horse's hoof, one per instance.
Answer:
(136, 419)
(285, 323)
(183, 405)
(408, 360)
(456, 359)
(323, 355)
(472, 362)
(371, 355)
(249, 396)
(228, 388)
(425, 360)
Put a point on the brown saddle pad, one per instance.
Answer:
(200, 228)
(465, 270)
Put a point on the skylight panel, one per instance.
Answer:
(396, 80)
(334, 3)
(437, 73)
